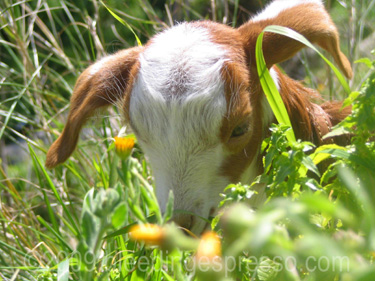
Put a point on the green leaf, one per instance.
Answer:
(53, 188)
(366, 61)
(55, 233)
(20, 95)
(321, 204)
(167, 276)
(169, 208)
(137, 211)
(63, 270)
(270, 89)
(298, 37)
(268, 270)
(125, 229)
(326, 151)
(350, 99)
(337, 131)
(309, 164)
(51, 214)
(118, 217)
(90, 225)
(122, 22)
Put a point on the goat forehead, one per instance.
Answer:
(179, 90)
(182, 61)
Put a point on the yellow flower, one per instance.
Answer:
(209, 246)
(124, 146)
(150, 234)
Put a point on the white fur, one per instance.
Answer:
(177, 106)
(276, 7)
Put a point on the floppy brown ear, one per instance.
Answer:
(100, 85)
(308, 18)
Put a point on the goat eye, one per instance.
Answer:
(240, 130)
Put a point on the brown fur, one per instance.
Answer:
(242, 87)
(91, 93)
(315, 25)
(310, 122)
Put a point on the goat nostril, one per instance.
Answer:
(184, 220)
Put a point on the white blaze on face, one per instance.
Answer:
(176, 108)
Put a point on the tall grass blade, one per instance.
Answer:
(54, 190)
(300, 38)
(20, 95)
(122, 22)
(268, 85)
(270, 89)
(45, 197)
(54, 232)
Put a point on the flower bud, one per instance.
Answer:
(209, 246)
(124, 146)
(150, 234)
(208, 261)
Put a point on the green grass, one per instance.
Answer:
(72, 223)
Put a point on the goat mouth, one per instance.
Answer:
(196, 225)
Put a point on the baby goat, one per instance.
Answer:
(193, 98)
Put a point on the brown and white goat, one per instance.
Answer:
(193, 98)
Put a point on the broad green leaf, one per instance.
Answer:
(268, 270)
(118, 217)
(337, 131)
(63, 270)
(310, 165)
(326, 151)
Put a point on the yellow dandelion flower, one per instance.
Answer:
(124, 146)
(150, 234)
(209, 246)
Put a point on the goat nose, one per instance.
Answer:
(184, 220)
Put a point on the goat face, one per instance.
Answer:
(193, 98)
(177, 106)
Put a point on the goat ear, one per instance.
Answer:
(100, 85)
(307, 17)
